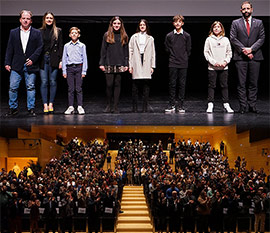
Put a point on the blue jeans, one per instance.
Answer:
(45, 75)
(15, 79)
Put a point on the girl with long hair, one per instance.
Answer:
(218, 53)
(142, 61)
(114, 61)
(50, 60)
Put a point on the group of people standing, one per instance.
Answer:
(31, 50)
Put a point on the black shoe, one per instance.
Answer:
(107, 109)
(115, 110)
(145, 108)
(242, 110)
(253, 109)
(31, 112)
(12, 112)
(134, 108)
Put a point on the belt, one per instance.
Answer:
(74, 65)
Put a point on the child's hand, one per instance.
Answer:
(64, 75)
(102, 68)
(83, 75)
(130, 70)
(60, 65)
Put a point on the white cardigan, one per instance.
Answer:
(149, 59)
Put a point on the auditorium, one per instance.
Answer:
(134, 116)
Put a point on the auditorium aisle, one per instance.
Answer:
(135, 216)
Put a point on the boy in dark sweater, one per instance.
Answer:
(178, 45)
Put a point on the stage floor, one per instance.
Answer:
(195, 114)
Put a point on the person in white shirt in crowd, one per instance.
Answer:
(218, 53)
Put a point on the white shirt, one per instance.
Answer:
(24, 37)
(181, 31)
(142, 39)
(249, 21)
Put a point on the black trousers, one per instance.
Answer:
(113, 88)
(74, 80)
(248, 72)
(222, 75)
(177, 82)
(136, 85)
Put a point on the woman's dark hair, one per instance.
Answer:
(147, 26)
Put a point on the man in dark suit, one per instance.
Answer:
(22, 54)
(247, 36)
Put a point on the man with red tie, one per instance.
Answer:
(247, 37)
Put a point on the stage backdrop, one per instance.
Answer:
(132, 7)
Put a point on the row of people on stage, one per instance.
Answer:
(30, 50)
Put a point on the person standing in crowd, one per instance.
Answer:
(109, 161)
(218, 53)
(34, 205)
(51, 60)
(247, 36)
(222, 148)
(204, 208)
(15, 208)
(23, 51)
(178, 45)
(50, 213)
(261, 206)
(114, 61)
(142, 61)
(74, 64)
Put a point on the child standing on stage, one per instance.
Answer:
(114, 61)
(142, 61)
(74, 65)
(178, 45)
(218, 53)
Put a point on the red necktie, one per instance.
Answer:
(248, 27)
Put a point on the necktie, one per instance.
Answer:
(248, 27)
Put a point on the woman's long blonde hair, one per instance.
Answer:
(54, 28)
(110, 33)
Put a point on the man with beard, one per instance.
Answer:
(247, 36)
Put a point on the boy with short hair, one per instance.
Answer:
(178, 45)
(74, 65)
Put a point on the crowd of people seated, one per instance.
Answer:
(72, 186)
(202, 190)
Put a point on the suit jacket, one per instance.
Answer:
(56, 50)
(240, 39)
(16, 58)
(149, 57)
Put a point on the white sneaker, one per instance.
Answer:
(181, 110)
(210, 107)
(227, 108)
(70, 110)
(170, 109)
(80, 110)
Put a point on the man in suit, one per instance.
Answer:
(247, 36)
(22, 54)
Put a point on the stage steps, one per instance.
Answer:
(135, 216)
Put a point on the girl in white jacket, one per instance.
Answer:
(142, 61)
(218, 53)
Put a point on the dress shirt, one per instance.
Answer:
(142, 40)
(74, 53)
(249, 21)
(181, 31)
(24, 37)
